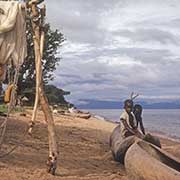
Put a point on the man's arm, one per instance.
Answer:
(141, 126)
(127, 126)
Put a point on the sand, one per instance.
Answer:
(83, 146)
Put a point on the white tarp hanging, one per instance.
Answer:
(12, 33)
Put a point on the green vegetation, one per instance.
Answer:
(4, 109)
(50, 60)
(56, 95)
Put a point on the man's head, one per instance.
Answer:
(137, 109)
(128, 105)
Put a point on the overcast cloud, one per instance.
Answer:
(115, 47)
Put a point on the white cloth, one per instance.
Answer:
(125, 116)
(73, 110)
(12, 33)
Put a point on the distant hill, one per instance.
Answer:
(95, 104)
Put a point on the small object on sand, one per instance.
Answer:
(78, 113)
(73, 110)
(84, 116)
(55, 111)
(3, 114)
(23, 114)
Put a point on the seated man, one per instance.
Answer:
(128, 121)
(138, 114)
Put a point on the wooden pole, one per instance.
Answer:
(38, 47)
(38, 69)
(36, 40)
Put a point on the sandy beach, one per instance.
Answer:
(83, 150)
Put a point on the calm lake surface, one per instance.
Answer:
(163, 121)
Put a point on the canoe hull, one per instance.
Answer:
(119, 145)
(145, 161)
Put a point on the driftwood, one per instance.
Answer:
(119, 146)
(144, 161)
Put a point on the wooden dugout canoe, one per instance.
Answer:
(144, 161)
(119, 145)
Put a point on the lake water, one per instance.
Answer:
(162, 121)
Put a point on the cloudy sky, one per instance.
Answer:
(114, 47)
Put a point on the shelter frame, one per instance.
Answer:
(37, 15)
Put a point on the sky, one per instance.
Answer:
(114, 47)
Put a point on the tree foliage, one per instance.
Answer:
(50, 60)
(56, 95)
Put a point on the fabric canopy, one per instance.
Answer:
(12, 33)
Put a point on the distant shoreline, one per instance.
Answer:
(157, 133)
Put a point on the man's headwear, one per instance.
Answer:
(128, 103)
